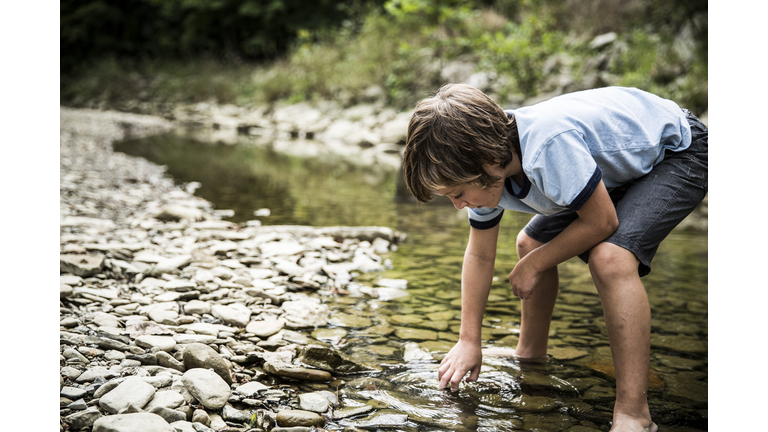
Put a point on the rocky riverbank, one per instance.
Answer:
(173, 320)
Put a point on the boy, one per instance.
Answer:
(608, 172)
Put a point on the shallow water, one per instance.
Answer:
(574, 392)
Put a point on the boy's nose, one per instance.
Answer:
(459, 204)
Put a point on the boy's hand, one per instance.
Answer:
(523, 279)
(462, 358)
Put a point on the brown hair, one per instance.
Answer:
(451, 136)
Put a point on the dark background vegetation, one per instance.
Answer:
(142, 55)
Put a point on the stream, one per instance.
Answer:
(407, 331)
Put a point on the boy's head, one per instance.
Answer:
(451, 136)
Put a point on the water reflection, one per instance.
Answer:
(575, 391)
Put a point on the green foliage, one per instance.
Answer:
(196, 50)
(521, 52)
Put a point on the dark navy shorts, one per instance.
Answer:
(649, 207)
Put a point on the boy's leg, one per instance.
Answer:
(536, 312)
(628, 321)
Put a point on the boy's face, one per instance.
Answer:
(466, 195)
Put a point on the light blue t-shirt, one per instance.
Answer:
(571, 142)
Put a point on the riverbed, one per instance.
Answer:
(407, 327)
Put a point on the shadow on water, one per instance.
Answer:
(574, 392)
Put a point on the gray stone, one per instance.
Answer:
(72, 393)
(183, 426)
(144, 422)
(65, 291)
(251, 389)
(166, 360)
(296, 372)
(168, 414)
(163, 343)
(232, 414)
(200, 416)
(132, 391)
(235, 314)
(81, 265)
(288, 418)
(347, 412)
(71, 280)
(103, 319)
(331, 360)
(83, 419)
(95, 372)
(165, 398)
(314, 402)
(207, 387)
(197, 355)
(70, 353)
(265, 328)
(197, 307)
(193, 338)
(170, 265)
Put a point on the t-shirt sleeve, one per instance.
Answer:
(565, 171)
(485, 218)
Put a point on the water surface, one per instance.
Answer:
(574, 392)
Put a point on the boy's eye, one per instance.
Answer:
(459, 195)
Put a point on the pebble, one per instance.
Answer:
(197, 355)
(207, 387)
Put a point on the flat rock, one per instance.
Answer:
(235, 314)
(133, 391)
(81, 265)
(314, 402)
(265, 328)
(296, 372)
(289, 418)
(331, 360)
(347, 412)
(207, 387)
(415, 334)
(251, 389)
(165, 398)
(163, 343)
(83, 419)
(144, 422)
(197, 307)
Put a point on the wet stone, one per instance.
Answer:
(296, 372)
(347, 412)
(415, 334)
(289, 418)
(599, 394)
(315, 402)
(351, 321)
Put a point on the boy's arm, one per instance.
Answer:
(476, 277)
(597, 220)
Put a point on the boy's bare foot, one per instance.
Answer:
(625, 423)
(510, 352)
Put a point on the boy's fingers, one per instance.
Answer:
(474, 375)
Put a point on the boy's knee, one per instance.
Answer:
(526, 244)
(608, 262)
